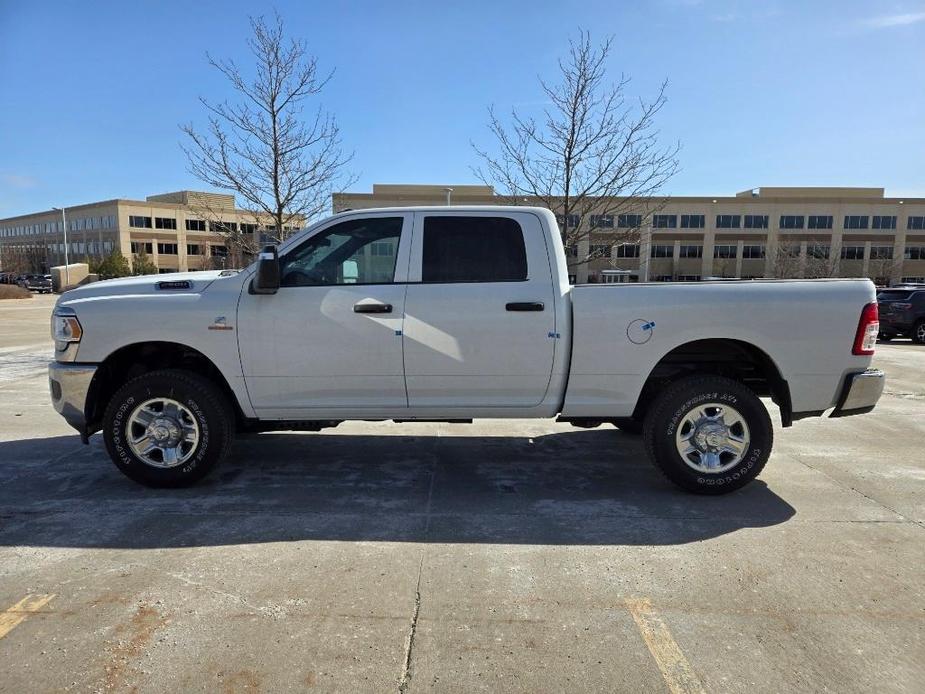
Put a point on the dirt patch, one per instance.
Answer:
(134, 635)
(241, 682)
(11, 291)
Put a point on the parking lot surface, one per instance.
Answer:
(496, 556)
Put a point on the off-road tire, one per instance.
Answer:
(669, 408)
(201, 397)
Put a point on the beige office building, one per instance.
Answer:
(762, 232)
(186, 230)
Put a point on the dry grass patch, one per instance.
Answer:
(11, 291)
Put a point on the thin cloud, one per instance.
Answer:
(886, 21)
(18, 181)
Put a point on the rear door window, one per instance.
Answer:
(893, 296)
(473, 249)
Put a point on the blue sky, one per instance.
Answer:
(761, 92)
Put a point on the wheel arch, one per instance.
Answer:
(139, 358)
(733, 358)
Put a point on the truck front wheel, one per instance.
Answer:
(168, 428)
(708, 434)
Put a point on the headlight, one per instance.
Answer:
(65, 327)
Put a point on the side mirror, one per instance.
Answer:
(266, 280)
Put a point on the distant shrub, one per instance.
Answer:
(11, 291)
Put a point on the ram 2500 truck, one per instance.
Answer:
(449, 314)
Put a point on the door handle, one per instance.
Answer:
(525, 306)
(372, 308)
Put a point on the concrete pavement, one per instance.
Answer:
(496, 556)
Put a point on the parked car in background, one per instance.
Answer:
(36, 283)
(902, 313)
(7, 278)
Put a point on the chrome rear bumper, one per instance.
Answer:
(69, 384)
(860, 393)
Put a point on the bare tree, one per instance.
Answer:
(593, 152)
(282, 165)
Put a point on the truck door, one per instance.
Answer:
(479, 312)
(330, 338)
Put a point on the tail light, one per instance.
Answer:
(868, 327)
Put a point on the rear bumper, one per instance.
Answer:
(69, 385)
(860, 393)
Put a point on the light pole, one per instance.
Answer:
(67, 274)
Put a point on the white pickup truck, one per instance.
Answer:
(448, 314)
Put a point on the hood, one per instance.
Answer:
(168, 283)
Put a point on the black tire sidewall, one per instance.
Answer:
(677, 402)
(198, 396)
(915, 333)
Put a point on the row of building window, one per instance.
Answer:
(749, 251)
(142, 222)
(751, 221)
(57, 227)
(172, 249)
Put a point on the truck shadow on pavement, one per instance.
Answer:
(571, 488)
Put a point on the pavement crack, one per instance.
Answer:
(404, 682)
(854, 489)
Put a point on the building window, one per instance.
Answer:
(690, 251)
(167, 248)
(629, 221)
(914, 253)
(664, 221)
(599, 250)
(195, 225)
(912, 280)
(223, 226)
(139, 222)
(915, 223)
(756, 221)
(881, 252)
(791, 221)
(142, 247)
(753, 251)
(724, 251)
(165, 223)
(219, 251)
(884, 221)
(627, 250)
(852, 252)
(728, 221)
(688, 278)
(602, 221)
(164, 270)
(248, 228)
(692, 221)
(819, 251)
(382, 248)
(856, 221)
(193, 249)
(663, 278)
(573, 221)
(820, 221)
(663, 251)
(571, 251)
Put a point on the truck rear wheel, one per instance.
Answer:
(168, 428)
(708, 434)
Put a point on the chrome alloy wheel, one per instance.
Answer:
(162, 432)
(920, 332)
(712, 437)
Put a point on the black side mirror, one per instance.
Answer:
(266, 281)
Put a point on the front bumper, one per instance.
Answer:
(69, 385)
(860, 393)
